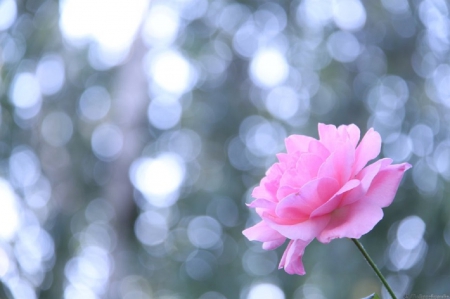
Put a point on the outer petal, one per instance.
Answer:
(368, 149)
(385, 184)
(264, 233)
(268, 187)
(297, 143)
(262, 203)
(306, 230)
(366, 177)
(286, 160)
(292, 257)
(350, 132)
(351, 221)
(271, 245)
(329, 136)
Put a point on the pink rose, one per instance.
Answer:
(323, 189)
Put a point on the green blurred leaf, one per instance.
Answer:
(372, 296)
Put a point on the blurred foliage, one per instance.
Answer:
(132, 134)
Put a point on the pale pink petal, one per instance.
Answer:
(339, 164)
(368, 149)
(294, 178)
(294, 207)
(353, 195)
(285, 191)
(274, 171)
(286, 160)
(305, 230)
(271, 245)
(335, 201)
(263, 233)
(327, 169)
(309, 164)
(365, 176)
(316, 147)
(291, 260)
(344, 159)
(311, 196)
(265, 191)
(268, 187)
(369, 172)
(272, 219)
(351, 221)
(351, 132)
(329, 136)
(297, 143)
(262, 203)
(291, 181)
(385, 184)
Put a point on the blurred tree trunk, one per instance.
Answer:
(129, 113)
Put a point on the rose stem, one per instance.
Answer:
(374, 267)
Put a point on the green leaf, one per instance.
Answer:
(372, 296)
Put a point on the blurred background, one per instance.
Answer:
(132, 133)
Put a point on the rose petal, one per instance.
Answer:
(305, 230)
(263, 233)
(291, 181)
(297, 143)
(352, 195)
(294, 207)
(311, 196)
(368, 149)
(351, 133)
(285, 191)
(309, 164)
(317, 148)
(335, 201)
(291, 260)
(366, 177)
(369, 172)
(268, 187)
(294, 178)
(329, 136)
(271, 245)
(286, 160)
(265, 191)
(385, 184)
(262, 203)
(351, 221)
(339, 164)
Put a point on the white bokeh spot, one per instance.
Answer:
(158, 178)
(9, 214)
(268, 68)
(349, 14)
(171, 72)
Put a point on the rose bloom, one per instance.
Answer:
(323, 189)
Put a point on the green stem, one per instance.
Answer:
(374, 267)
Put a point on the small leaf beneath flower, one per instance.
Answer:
(373, 296)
